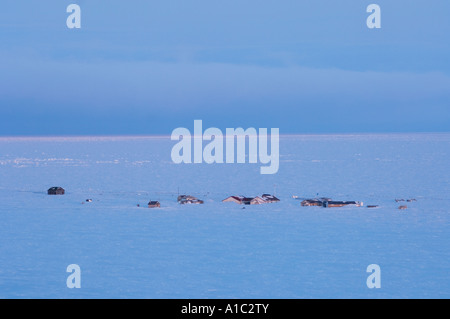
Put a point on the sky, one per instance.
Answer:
(147, 67)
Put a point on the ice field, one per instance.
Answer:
(219, 250)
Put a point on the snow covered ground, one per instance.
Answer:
(219, 250)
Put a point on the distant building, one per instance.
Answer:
(188, 199)
(327, 202)
(270, 198)
(234, 199)
(242, 200)
(56, 191)
(312, 202)
(153, 204)
(257, 200)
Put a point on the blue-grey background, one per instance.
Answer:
(147, 67)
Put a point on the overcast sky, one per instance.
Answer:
(148, 67)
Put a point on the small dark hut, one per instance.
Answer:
(56, 191)
(153, 204)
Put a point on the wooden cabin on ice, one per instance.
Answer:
(56, 191)
(153, 204)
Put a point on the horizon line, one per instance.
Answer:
(160, 136)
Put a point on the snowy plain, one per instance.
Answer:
(219, 250)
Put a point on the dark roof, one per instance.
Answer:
(55, 188)
(270, 197)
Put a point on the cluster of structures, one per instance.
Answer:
(182, 199)
(406, 200)
(243, 200)
(263, 199)
(189, 199)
